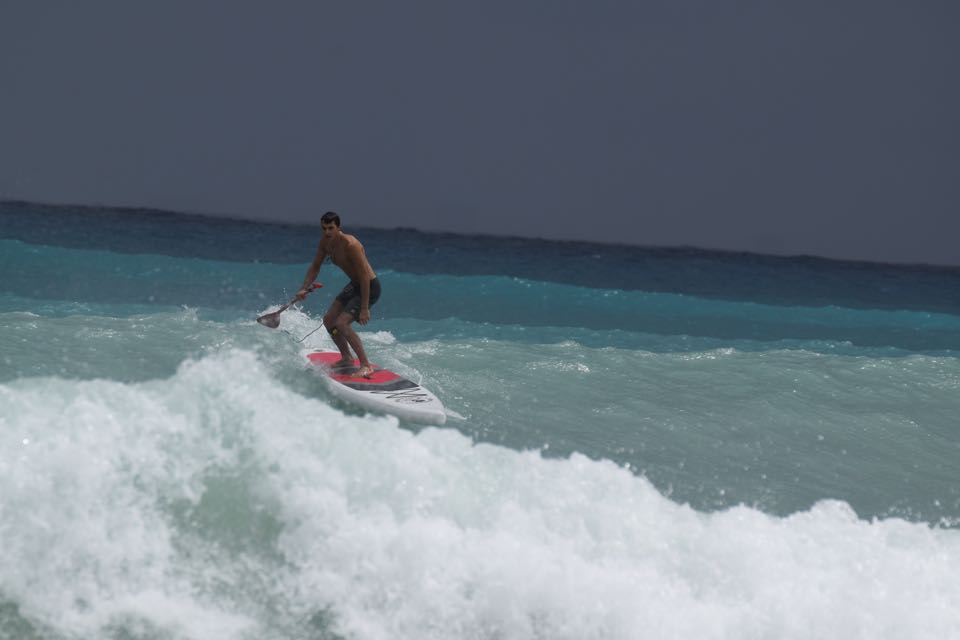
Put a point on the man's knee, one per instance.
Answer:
(330, 322)
(338, 326)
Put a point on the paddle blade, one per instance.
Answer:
(271, 320)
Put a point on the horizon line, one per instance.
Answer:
(232, 217)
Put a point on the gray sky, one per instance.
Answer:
(819, 127)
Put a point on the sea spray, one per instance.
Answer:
(218, 501)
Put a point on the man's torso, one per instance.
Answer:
(348, 254)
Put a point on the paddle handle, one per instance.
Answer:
(314, 286)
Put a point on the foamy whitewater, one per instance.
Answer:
(641, 444)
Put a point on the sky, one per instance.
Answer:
(796, 127)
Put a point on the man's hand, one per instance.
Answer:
(364, 316)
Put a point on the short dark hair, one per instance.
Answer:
(330, 216)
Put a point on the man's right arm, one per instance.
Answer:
(312, 272)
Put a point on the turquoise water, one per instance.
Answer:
(680, 443)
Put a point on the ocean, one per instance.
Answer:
(642, 442)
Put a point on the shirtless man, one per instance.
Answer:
(353, 303)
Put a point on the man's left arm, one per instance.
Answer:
(359, 260)
(364, 300)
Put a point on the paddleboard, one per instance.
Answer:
(384, 390)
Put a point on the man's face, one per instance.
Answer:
(329, 229)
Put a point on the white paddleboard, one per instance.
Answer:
(384, 390)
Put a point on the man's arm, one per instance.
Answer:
(312, 271)
(362, 269)
(364, 300)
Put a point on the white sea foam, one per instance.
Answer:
(221, 504)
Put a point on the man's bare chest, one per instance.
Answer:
(339, 254)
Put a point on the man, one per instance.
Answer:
(353, 303)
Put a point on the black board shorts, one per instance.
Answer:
(351, 296)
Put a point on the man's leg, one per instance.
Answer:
(331, 322)
(345, 330)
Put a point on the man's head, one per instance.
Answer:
(330, 217)
(330, 223)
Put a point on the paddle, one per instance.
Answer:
(272, 319)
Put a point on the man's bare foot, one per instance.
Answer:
(364, 372)
(341, 363)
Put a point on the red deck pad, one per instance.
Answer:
(379, 376)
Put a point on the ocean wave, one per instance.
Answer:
(220, 501)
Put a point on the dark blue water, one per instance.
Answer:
(803, 298)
